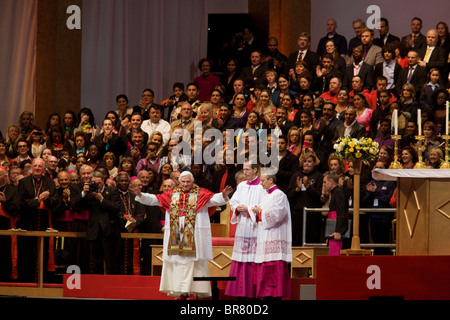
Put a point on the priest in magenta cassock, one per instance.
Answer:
(187, 246)
(274, 241)
(248, 194)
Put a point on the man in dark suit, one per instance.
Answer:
(325, 129)
(225, 121)
(279, 122)
(416, 39)
(385, 36)
(414, 73)
(311, 58)
(433, 56)
(358, 68)
(132, 214)
(103, 230)
(340, 40)
(288, 164)
(274, 59)
(37, 196)
(389, 68)
(256, 73)
(350, 127)
(9, 208)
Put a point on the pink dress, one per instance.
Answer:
(364, 119)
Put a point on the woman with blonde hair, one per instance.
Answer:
(265, 108)
(408, 102)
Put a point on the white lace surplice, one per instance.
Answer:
(274, 229)
(245, 237)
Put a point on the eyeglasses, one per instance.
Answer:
(22, 146)
(151, 150)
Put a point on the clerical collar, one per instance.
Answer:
(272, 189)
(254, 182)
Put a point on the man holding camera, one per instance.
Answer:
(103, 229)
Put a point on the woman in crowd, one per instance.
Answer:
(408, 157)
(114, 117)
(435, 159)
(306, 121)
(305, 188)
(283, 89)
(164, 174)
(69, 124)
(122, 107)
(109, 159)
(300, 70)
(293, 141)
(207, 81)
(240, 112)
(57, 143)
(363, 110)
(87, 124)
(288, 101)
(127, 164)
(265, 108)
(26, 124)
(13, 135)
(338, 60)
(36, 142)
(217, 99)
(431, 139)
(409, 104)
(342, 104)
(231, 73)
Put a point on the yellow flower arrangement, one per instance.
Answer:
(364, 149)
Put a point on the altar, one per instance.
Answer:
(423, 210)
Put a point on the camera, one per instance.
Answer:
(93, 186)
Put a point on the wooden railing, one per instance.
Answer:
(39, 289)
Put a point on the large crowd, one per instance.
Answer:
(55, 177)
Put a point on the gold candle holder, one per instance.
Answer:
(396, 164)
(420, 164)
(445, 164)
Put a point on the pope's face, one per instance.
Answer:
(186, 183)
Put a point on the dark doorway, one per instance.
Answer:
(222, 29)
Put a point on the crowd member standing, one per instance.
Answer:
(36, 193)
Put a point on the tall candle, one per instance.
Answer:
(395, 120)
(447, 106)
(419, 120)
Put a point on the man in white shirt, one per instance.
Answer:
(155, 123)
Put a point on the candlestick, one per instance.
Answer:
(395, 119)
(447, 106)
(445, 164)
(396, 164)
(419, 121)
(420, 164)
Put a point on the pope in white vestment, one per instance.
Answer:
(187, 245)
